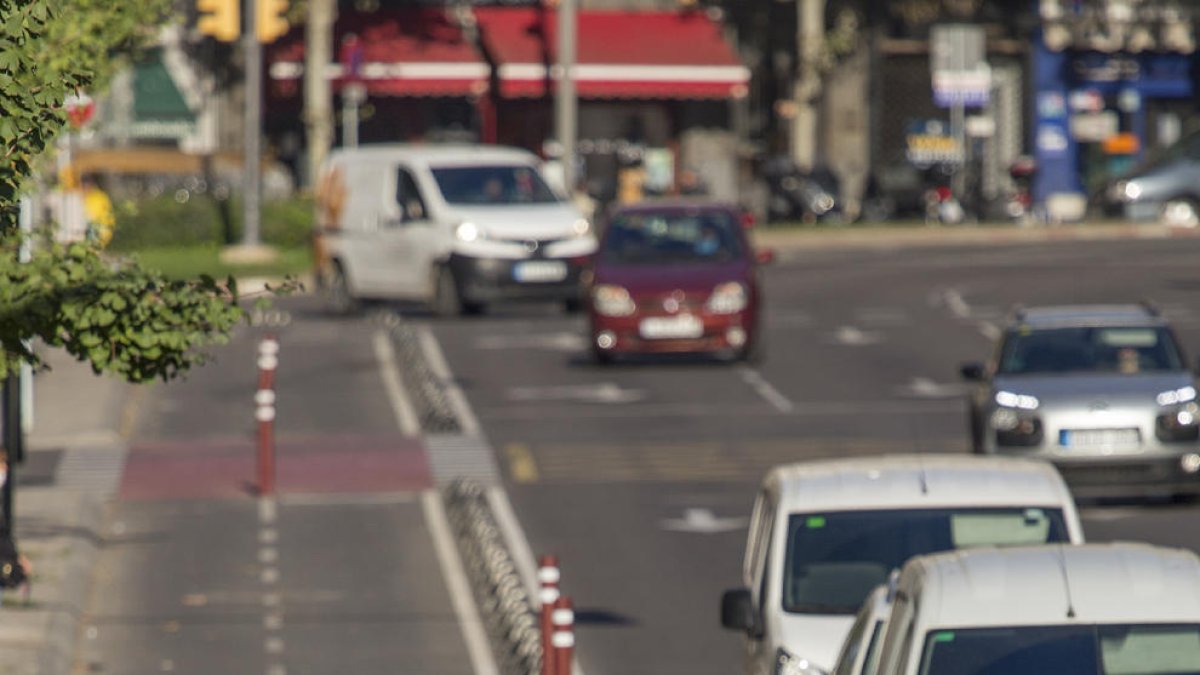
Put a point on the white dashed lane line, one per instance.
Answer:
(272, 601)
(766, 390)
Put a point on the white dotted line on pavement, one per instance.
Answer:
(272, 600)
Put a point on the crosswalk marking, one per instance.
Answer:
(454, 456)
(92, 469)
(693, 461)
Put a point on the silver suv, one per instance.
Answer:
(1103, 391)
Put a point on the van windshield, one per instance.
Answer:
(483, 185)
(1151, 649)
(835, 559)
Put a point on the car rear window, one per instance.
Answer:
(1120, 349)
(1053, 650)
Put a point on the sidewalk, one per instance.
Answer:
(788, 239)
(72, 466)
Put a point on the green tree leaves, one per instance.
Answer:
(119, 317)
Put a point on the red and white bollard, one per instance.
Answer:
(563, 641)
(548, 576)
(264, 412)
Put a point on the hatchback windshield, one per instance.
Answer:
(687, 237)
(1064, 650)
(467, 185)
(1124, 349)
(835, 559)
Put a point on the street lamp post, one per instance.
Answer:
(566, 101)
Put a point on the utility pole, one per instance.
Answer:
(810, 38)
(252, 160)
(565, 100)
(318, 106)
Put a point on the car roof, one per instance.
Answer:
(437, 154)
(1055, 584)
(1069, 316)
(915, 482)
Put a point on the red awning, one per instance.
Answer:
(619, 54)
(415, 52)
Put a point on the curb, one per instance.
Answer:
(962, 235)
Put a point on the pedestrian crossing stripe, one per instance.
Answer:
(692, 461)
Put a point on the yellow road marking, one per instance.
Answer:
(521, 465)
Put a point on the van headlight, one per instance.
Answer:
(787, 663)
(610, 300)
(467, 232)
(728, 298)
(581, 228)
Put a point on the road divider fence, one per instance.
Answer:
(514, 621)
(425, 389)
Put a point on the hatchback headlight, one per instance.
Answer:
(1008, 399)
(728, 298)
(467, 232)
(610, 300)
(787, 663)
(1177, 396)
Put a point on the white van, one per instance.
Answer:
(824, 534)
(1108, 609)
(455, 226)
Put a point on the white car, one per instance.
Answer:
(824, 534)
(860, 651)
(455, 226)
(1108, 609)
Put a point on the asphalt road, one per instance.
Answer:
(338, 574)
(640, 476)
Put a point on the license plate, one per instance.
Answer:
(671, 327)
(1098, 438)
(540, 271)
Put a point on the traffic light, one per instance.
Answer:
(221, 19)
(271, 21)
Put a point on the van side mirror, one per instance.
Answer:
(972, 372)
(737, 611)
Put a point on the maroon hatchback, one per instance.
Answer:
(675, 277)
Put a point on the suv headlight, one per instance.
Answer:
(468, 232)
(787, 663)
(581, 228)
(612, 300)
(1008, 399)
(728, 298)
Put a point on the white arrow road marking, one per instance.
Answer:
(959, 307)
(923, 387)
(703, 521)
(606, 392)
(853, 337)
(563, 342)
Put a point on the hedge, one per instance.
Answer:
(166, 221)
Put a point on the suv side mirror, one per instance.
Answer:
(737, 611)
(972, 372)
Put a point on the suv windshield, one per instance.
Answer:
(835, 559)
(704, 236)
(1122, 349)
(1064, 650)
(470, 185)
